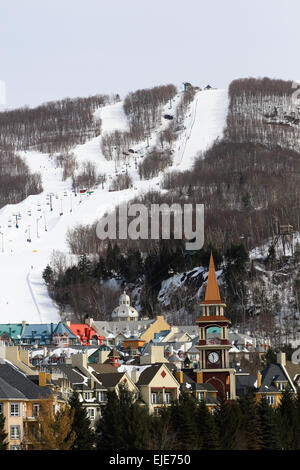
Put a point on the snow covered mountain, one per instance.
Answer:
(33, 229)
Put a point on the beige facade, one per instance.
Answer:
(20, 415)
(158, 325)
(161, 389)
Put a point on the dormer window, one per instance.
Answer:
(281, 386)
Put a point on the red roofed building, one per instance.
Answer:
(85, 333)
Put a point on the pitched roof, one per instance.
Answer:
(293, 370)
(109, 380)
(83, 331)
(103, 368)
(190, 384)
(19, 381)
(8, 391)
(244, 382)
(270, 375)
(13, 330)
(148, 374)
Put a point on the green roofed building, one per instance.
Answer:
(11, 333)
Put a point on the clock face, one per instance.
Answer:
(213, 357)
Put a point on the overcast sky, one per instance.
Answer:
(52, 49)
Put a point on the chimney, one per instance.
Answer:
(12, 354)
(80, 361)
(68, 323)
(281, 358)
(24, 356)
(42, 379)
(103, 355)
(199, 377)
(114, 358)
(258, 379)
(135, 374)
(89, 322)
(179, 376)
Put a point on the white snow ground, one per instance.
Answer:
(23, 293)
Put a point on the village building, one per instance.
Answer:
(213, 344)
(125, 324)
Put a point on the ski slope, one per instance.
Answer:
(31, 230)
(204, 125)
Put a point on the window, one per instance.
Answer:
(281, 386)
(35, 409)
(102, 396)
(91, 413)
(167, 397)
(271, 399)
(15, 432)
(154, 397)
(15, 447)
(88, 395)
(14, 409)
(26, 340)
(200, 396)
(1, 408)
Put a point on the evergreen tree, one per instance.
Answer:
(206, 428)
(48, 274)
(270, 357)
(131, 266)
(269, 429)
(297, 420)
(100, 271)
(162, 435)
(3, 434)
(183, 420)
(112, 261)
(250, 428)
(109, 432)
(228, 419)
(81, 425)
(124, 425)
(84, 265)
(287, 420)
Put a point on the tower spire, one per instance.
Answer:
(212, 293)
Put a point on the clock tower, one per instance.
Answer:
(213, 340)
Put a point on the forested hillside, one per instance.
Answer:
(16, 180)
(53, 127)
(249, 184)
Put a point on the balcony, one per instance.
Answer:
(162, 396)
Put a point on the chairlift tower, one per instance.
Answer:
(285, 233)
